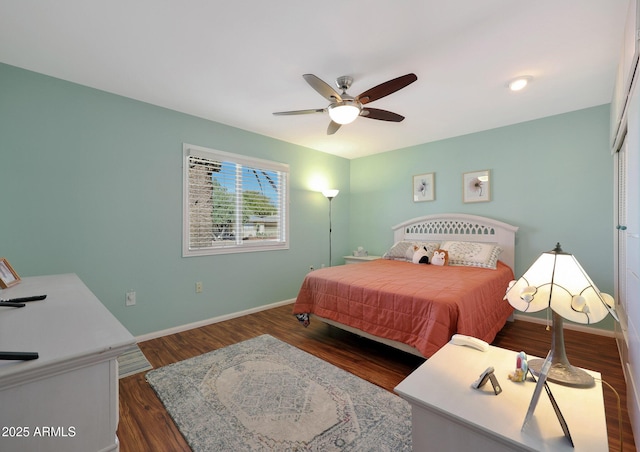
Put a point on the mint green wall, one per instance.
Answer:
(552, 177)
(92, 184)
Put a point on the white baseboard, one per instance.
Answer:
(222, 318)
(200, 323)
(567, 326)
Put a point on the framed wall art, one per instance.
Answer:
(423, 187)
(476, 186)
(8, 276)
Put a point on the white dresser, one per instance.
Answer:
(67, 399)
(448, 414)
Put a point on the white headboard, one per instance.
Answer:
(463, 227)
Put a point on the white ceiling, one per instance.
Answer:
(236, 62)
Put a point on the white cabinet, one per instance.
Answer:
(626, 68)
(67, 399)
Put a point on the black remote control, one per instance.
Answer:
(19, 356)
(11, 304)
(23, 299)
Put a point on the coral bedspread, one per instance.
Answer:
(419, 305)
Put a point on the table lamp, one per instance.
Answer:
(557, 281)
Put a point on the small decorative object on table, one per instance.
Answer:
(485, 376)
(8, 276)
(360, 252)
(520, 374)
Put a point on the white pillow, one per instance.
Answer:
(403, 250)
(472, 254)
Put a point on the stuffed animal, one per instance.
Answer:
(440, 257)
(420, 255)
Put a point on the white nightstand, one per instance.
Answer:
(447, 414)
(359, 259)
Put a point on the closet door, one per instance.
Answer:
(620, 244)
(628, 256)
(625, 129)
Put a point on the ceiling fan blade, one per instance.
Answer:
(386, 88)
(382, 115)
(301, 112)
(323, 88)
(333, 128)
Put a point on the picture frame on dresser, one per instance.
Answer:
(8, 276)
(423, 187)
(476, 186)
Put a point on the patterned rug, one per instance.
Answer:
(263, 394)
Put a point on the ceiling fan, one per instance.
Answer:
(344, 108)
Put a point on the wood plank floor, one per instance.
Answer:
(146, 426)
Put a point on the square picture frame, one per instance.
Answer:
(476, 186)
(424, 187)
(8, 276)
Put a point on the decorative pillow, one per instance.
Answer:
(403, 250)
(430, 247)
(472, 254)
(399, 251)
(440, 257)
(420, 255)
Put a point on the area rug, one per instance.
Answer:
(263, 394)
(132, 362)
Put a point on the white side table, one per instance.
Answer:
(359, 259)
(447, 414)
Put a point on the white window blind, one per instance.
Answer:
(233, 203)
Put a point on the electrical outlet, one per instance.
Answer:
(199, 287)
(130, 298)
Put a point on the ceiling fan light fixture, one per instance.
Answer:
(344, 109)
(344, 112)
(518, 84)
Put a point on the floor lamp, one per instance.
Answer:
(557, 281)
(330, 194)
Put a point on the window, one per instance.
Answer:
(233, 203)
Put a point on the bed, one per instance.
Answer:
(417, 307)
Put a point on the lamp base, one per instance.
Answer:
(564, 374)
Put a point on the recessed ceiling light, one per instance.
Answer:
(519, 83)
